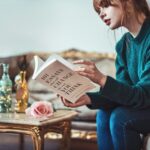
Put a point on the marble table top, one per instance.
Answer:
(22, 118)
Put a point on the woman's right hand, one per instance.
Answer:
(88, 69)
(83, 100)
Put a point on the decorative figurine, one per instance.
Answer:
(22, 93)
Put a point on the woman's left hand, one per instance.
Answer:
(89, 70)
(83, 100)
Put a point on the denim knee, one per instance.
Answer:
(117, 118)
(102, 119)
(123, 135)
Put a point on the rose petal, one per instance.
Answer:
(40, 109)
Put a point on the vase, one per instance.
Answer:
(5, 90)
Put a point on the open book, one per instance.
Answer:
(58, 75)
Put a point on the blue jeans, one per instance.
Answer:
(119, 128)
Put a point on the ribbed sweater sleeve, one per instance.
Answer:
(99, 101)
(137, 96)
(121, 66)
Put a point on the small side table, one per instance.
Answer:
(37, 128)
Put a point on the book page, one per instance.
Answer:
(64, 81)
(60, 59)
(38, 62)
(55, 57)
(52, 59)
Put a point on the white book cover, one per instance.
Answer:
(58, 75)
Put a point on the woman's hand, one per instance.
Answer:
(89, 70)
(83, 100)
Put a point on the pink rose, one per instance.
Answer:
(40, 109)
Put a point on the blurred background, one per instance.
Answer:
(52, 26)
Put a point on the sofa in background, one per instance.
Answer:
(85, 121)
(83, 125)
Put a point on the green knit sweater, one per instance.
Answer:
(131, 88)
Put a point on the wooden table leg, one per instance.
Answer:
(66, 136)
(38, 139)
(21, 141)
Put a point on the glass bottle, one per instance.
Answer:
(22, 93)
(5, 90)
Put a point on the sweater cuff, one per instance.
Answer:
(107, 89)
(113, 90)
(94, 97)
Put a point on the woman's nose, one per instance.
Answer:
(102, 14)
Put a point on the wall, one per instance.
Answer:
(52, 25)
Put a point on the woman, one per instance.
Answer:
(124, 102)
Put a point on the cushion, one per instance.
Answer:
(17, 63)
(88, 126)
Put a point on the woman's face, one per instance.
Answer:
(112, 15)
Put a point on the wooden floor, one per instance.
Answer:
(11, 142)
